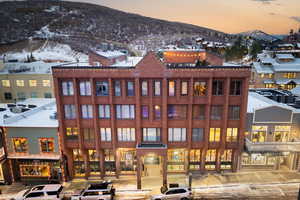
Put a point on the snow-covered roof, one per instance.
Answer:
(38, 67)
(130, 61)
(110, 54)
(296, 91)
(261, 69)
(257, 101)
(285, 45)
(286, 81)
(40, 116)
(285, 56)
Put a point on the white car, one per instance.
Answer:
(40, 192)
(174, 194)
(100, 191)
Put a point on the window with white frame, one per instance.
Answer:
(177, 134)
(125, 111)
(144, 88)
(85, 88)
(67, 88)
(151, 134)
(102, 88)
(87, 111)
(105, 134)
(46, 83)
(157, 88)
(126, 134)
(104, 111)
(70, 112)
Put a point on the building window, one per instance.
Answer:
(21, 96)
(214, 134)
(104, 111)
(195, 159)
(20, 145)
(289, 75)
(47, 145)
(259, 133)
(125, 111)
(5, 83)
(210, 159)
(48, 95)
(117, 88)
(46, 83)
(70, 111)
(200, 88)
(177, 111)
(93, 155)
(78, 163)
(217, 87)
(176, 160)
(7, 96)
(32, 83)
(87, 111)
(130, 88)
(67, 88)
(20, 83)
(94, 162)
(33, 95)
(282, 133)
(151, 134)
(105, 134)
(216, 112)
(199, 112)
(127, 161)
(157, 88)
(144, 88)
(177, 134)
(102, 88)
(171, 88)
(184, 88)
(234, 113)
(269, 85)
(126, 134)
(88, 134)
(85, 88)
(226, 159)
(34, 170)
(145, 112)
(157, 112)
(235, 87)
(77, 155)
(72, 133)
(231, 134)
(197, 134)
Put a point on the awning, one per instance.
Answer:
(151, 146)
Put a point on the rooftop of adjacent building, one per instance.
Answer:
(265, 97)
(32, 112)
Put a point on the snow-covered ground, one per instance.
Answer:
(55, 52)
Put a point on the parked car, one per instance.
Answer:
(178, 193)
(98, 191)
(40, 192)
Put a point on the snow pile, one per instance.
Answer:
(57, 52)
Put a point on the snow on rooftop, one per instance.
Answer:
(296, 91)
(38, 67)
(39, 116)
(257, 101)
(110, 54)
(285, 56)
(130, 61)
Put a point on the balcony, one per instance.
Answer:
(273, 146)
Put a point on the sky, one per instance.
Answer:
(230, 16)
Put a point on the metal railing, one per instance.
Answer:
(272, 146)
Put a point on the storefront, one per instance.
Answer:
(176, 160)
(127, 161)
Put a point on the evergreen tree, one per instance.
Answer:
(255, 49)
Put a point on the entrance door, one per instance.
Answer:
(152, 165)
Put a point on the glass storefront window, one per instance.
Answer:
(226, 159)
(127, 160)
(176, 159)
(94, 162)
(47, 145)
(77, 155)
(109, 162)
(79, 169)
(259, 133)
(34, 170)
(210, 159)
(282, 133)
(195, 159)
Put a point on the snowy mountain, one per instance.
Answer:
(83, 25)
(259, 35)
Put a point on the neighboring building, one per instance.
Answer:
(4, 176)
(105, 58)
(19, 81)
(276, 71)
(151, 119)
(31, 140)
(273, 131)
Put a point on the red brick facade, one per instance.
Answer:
(151, 69)
(103, 61)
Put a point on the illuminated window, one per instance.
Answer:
(214, 134)
(20, 83)
(77, 155)
(5, 83)
(184, 88)
(231, 134)
(20, 145)
(171, 88)
(78, 164)
(200, 88)
(34, 170)
(176, 159)
(47, 145)
(210, 159)
(72, 133)
(195, 159)
(93, 155)
(289, 75)
(127, 160)
(282, 133)
(32, 83)
(94, 162)
(226, 159)
(46, 83)
(157, 112)
(262, 75)
(105, 134)
(259, 133)
(145, 112)
(269, 85)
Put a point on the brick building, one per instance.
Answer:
(151, 119)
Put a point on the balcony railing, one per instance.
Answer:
(272, 146)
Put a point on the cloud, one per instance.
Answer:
(296, 18)
(265, 1)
